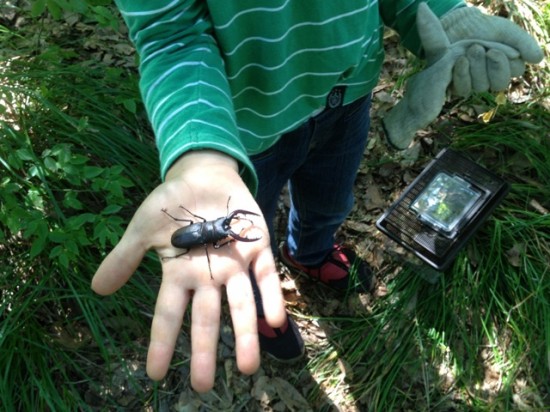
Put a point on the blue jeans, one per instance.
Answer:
(320, 160)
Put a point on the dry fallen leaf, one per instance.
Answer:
(293, 400)
(515, 254)
(263, 390)
(538, 207)
(373, 198)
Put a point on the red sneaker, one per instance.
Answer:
(342, 269)
(284, 344)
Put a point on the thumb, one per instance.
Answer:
(422, 102)
(118, 266)
(432, 35)
(509, 33)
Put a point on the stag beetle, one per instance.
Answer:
(207, 232)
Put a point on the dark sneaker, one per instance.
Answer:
(284, 344)
(342, 270)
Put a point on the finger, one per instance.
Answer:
(508, 51)
(511, 34)
(205, 327)
(517, 67)
(478, 68)
(470, 23)
(423, 100)
(498, 69)
(267, 279)
(462, 81)
(245, 323)
(118, 266)
(432, 36)
(171, 303)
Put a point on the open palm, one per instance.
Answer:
(191, 277)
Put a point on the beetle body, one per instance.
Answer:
(201, 233)
(207, 232)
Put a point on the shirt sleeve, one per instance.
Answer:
(400, 15)
(183, 81)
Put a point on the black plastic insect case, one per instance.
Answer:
(443, 207)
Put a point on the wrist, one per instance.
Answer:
(202, 161)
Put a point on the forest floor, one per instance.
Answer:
(323, 380)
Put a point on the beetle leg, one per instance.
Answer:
(175, 218)
(192, 214)
(208, 259)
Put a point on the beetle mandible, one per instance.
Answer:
(207, 232)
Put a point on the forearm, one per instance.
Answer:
(183, 81)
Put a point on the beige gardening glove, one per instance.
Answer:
(466, 51)
(482, 68)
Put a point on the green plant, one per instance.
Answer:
(74, 163)
(95, 10)
(477, 336)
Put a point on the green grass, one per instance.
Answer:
(477, 336)
(70, 141)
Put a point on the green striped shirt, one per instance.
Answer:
(233, 76)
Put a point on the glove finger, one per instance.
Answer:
(431, 33)
(517, 67)
(509, 52)
(462, 81)
(478, 68)
(423, 100)
(470, 23)
(511, 34)
(498, 70)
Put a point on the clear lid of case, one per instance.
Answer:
(446, 201)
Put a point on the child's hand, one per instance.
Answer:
(202, 182)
